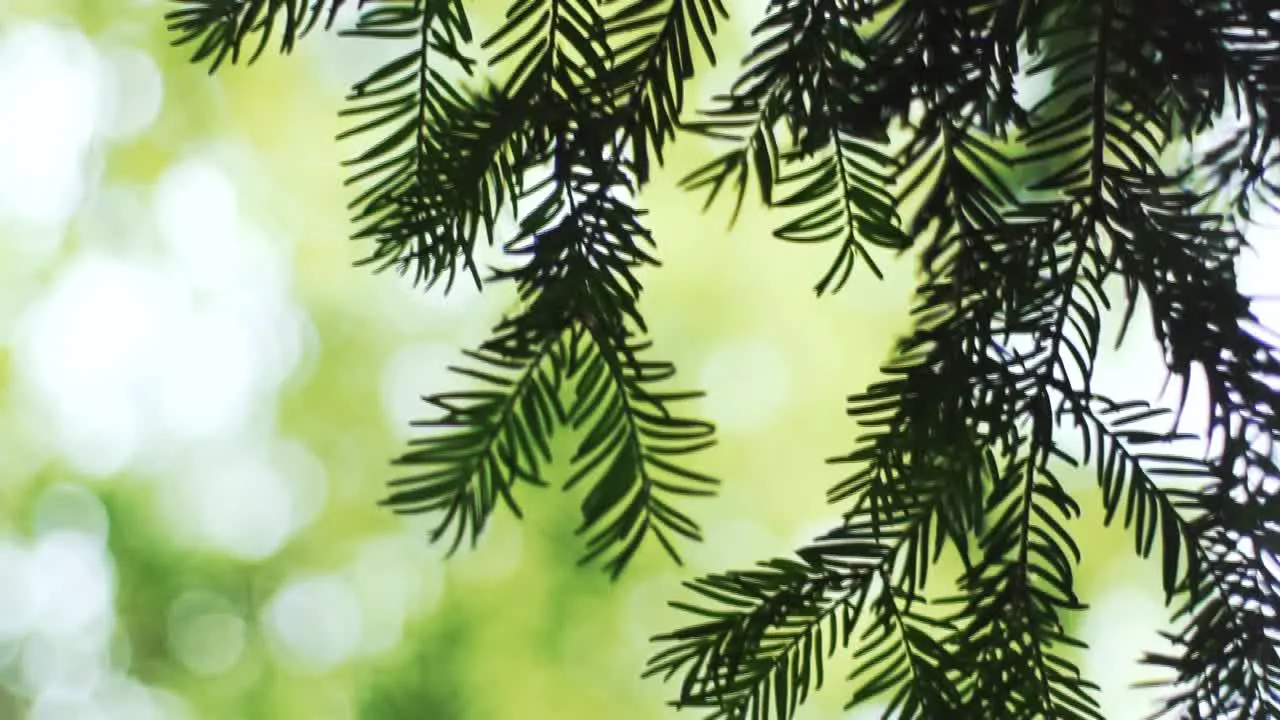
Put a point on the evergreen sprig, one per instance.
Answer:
(219, 28)
(891, 124)
(485, 440)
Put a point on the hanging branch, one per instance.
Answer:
(876, 124)
(219, 28)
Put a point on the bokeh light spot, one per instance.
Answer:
(316, 621)
(240, 506)
(70, 506)
(61, 667)
(205, 634)
(17, 591)
(196, 211)
(747, 383)
(134, 93)
(395, 577)
(1120, 627)
(411, 373)
(51, 82)
(82, 350)
(74, 585)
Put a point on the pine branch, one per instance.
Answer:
(958, 61)
(1232, 635)
(220, 28)
(1236, 41)
(1129, 476)
(779, 613)
(1112, 148)
(964, 202)
(799, 40)
(762, 648)
(589, 255)
(559, 48)
(485, 440)
(1009, 632)
(1011, 659)
(424, 197)
(630, 450)
(800, 75)
(761, 652)
(847, 198)
(1024, 214)
(651, 68)
(580, 275)
(900, 652)
(1227, 666)
(1228, 643)
(1201, 319)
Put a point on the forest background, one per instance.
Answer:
(199, 396)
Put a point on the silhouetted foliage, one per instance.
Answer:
(880, 125)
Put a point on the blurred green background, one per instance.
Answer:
(199, 396)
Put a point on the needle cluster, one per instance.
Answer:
(875, 126)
